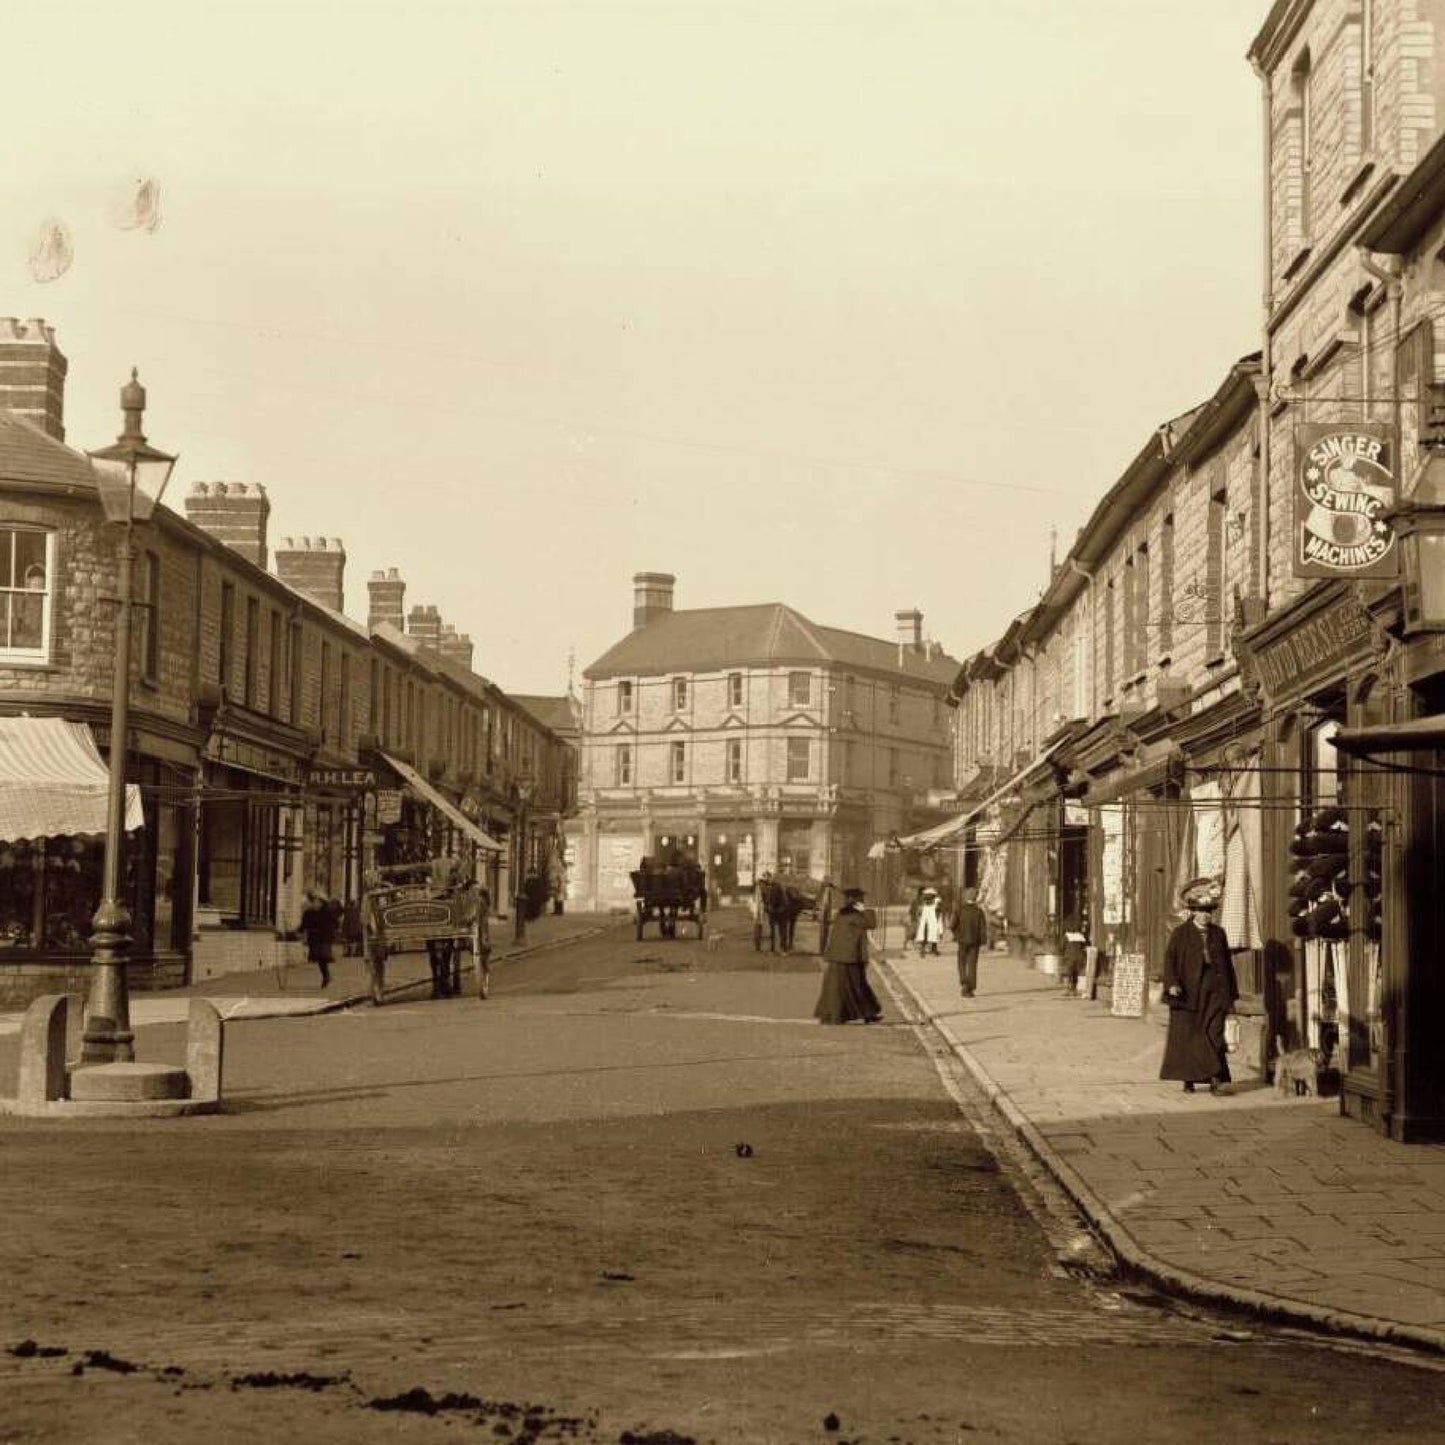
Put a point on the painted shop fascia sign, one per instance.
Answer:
(249, 757)
(1344, 484)
(340, 779)
(1318, 645)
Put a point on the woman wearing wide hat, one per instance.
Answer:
(846, 995)
(1200, 989)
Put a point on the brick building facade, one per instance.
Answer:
(263, 720)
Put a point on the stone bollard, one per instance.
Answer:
(205, 1047)
(42, 1050)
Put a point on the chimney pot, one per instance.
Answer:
(652, 594)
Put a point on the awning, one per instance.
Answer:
(1400, 737)
(53, 782)
(441, 803)
(951, 827)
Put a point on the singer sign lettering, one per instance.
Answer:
(1343, 491)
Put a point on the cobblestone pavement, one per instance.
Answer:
(1266, 1201)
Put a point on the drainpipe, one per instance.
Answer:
(1390, 279)
(1263, 509)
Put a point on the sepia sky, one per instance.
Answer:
(840, 304)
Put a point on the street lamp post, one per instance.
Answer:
(130, 477)
(519, 903)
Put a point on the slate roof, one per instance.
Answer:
(556, 713)
(28, 454)
(709, 639)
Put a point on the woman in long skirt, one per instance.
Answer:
(1200, 989)
(846, 996)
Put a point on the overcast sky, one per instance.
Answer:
(840, 304)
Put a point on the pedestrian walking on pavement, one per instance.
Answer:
(969, 926)
(915, 906)
(847, 996)
(929, 928)
(1200, 989)
(318, 927)
(1072, 942)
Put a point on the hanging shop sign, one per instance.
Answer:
(1344, 486)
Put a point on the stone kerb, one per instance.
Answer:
(205, 1050)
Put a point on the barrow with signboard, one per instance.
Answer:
(446, 918)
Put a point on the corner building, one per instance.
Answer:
(749, 738)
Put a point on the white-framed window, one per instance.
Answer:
(622, 765)
(800, 689)
(894, 700)
(27, 593)
(735, 760)
(624, 695)
(679, 694)
(735, 689)
(799, 759)
(677, 770)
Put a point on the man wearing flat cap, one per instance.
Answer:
(1200, 989)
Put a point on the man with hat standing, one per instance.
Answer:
(1200, 989)
(846, 994)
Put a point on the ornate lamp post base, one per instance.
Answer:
(108, 1038)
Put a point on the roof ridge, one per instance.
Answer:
(809, 630)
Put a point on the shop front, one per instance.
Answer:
(53, 791)
(1325, 828)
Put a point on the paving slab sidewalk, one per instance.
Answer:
(1273, 1203)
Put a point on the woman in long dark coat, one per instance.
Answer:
(1200, 989)
(846, 994)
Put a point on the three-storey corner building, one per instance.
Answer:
(750, 737)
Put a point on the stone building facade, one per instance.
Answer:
(751, 738)
(1255, 613)
(264, 722)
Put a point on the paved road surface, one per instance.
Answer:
(531, 1219)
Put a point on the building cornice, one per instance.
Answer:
(1277, 34)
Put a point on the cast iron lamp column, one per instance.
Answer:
(519, 903)
(130, 477)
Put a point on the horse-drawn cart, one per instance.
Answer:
(665, 893)
(444, 918)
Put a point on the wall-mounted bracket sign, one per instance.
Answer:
(1343, 488)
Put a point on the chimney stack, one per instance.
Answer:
(235, 513)
(455, 646)
(425, 624)
(387, 596)
(315, 566)
(651, 596)
(32, 374)
(910, 629)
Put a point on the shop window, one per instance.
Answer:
(800, 689)
(735, 689)
(49, 891)
(677, 772)
(27, 571)
(799, 762)
(735, 760)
